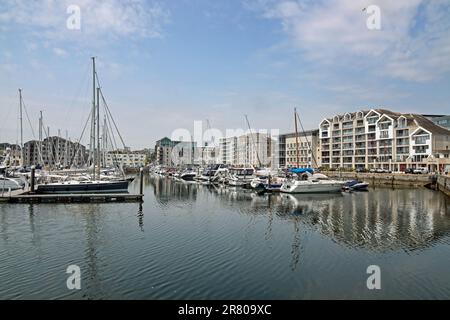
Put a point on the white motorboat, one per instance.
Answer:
(188, 175)
(305, 181)
(213, 174)
(240, 177)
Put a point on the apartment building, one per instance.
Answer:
(252, 149)
(54, 151)
(121, 158)
(171, 153)
(308, 150)
(380, 138)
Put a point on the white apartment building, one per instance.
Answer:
(252, 149)
(380, 138)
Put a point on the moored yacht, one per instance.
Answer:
(188, 175)
(215, 173)
(306, 181)
(75, 186)
(240, 177)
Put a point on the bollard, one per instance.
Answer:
(141, 181)
(33, 172)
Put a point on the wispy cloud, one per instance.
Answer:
(99, 19)
(413, 43)
(60, 52)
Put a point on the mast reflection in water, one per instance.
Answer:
(197, 242)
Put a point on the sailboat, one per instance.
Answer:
(305, 180)
(94, 184)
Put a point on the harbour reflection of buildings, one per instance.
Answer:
(167, 190)
(383, 220)
(380, 220)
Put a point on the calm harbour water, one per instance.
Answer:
(196, 242)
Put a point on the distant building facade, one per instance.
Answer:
(10, 154)
(171, 153)
(308, 149)
(252, 149)
(130, 159)
(380, 138)
(440, 120)
(54, 151)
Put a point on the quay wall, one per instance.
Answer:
(391, 179)
(443, 184)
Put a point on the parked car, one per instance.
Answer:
(420, 171)
(381, 170)
(409, 170)
(361, 170)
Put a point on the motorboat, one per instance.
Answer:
(215, 173)
(188, 175)
(355, 185)
(241, 177)
(304, 180)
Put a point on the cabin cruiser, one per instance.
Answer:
(241, 177)
(355, 185)
(304, 180)
(215, 173)
(188, 175)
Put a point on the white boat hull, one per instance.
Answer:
(8, 183)
(311, 187)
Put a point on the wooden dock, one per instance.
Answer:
(19, 196)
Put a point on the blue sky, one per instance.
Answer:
(165, 64)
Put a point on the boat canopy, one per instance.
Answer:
(301, 170)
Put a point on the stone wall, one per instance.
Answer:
(394, 179)
(443, 184)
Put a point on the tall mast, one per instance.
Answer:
(21, 127)
(41, 160)
(296, 137)
(93, 119)
(98, 132)
(253, 142)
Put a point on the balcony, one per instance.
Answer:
(372, 120)
(384, 134)
(421, 140)
(347, 132)
(347, 146)
(402, 133)
(347, 126)
(336, 133)
(336, 146)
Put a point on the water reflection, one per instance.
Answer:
(379, 220)
(167, 190)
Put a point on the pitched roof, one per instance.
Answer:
(429, 125)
